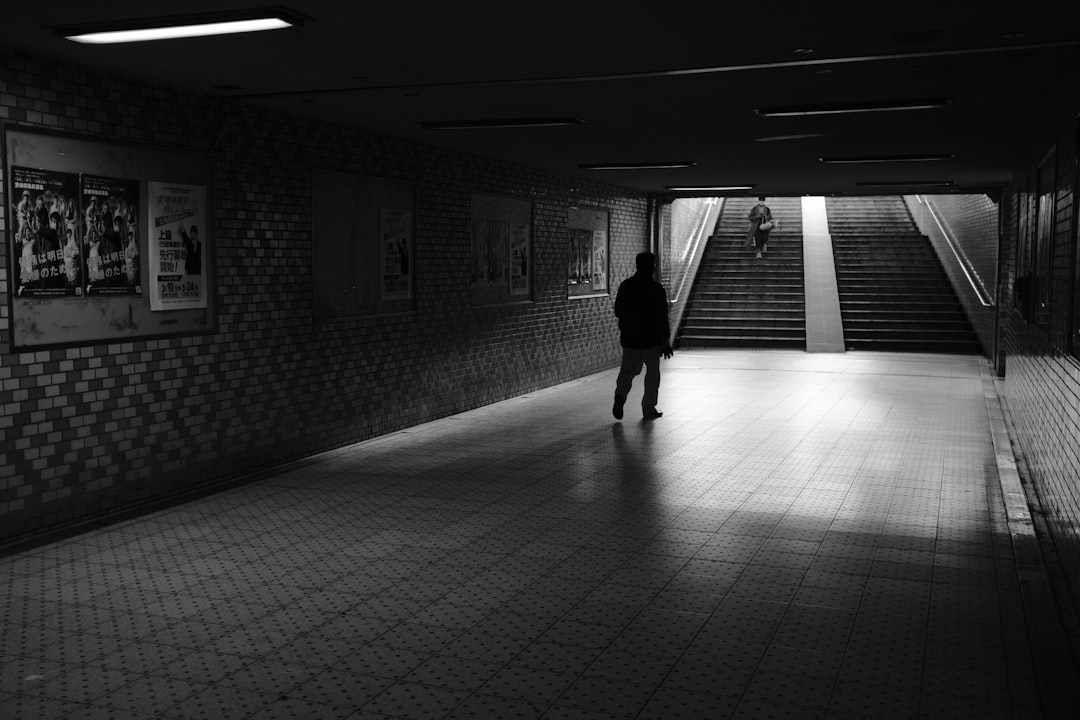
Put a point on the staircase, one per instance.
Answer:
(739, 301)
(894, 293)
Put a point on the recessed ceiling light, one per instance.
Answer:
(185, 26)
(856, 159)
(850, 108)
(666, 164)
(487, 124)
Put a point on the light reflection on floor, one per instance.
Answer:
(802, 536)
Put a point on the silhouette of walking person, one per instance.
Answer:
(642, 309)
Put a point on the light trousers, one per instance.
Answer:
(632, 361)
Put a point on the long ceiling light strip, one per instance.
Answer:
(708, 70)
(496, 123)
(708, 188)
(662, 165)
(854, 108)
(187, 26)
(906, 183)
(864, 159)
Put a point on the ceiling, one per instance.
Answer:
(652, 82)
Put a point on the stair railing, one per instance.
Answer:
(694, 251)
(974, 280)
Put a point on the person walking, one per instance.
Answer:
(642, 309)
(761, 224)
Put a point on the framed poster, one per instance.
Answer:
(364, 246)
(78, 246)
(176, 226)
(500, 250)
(395, 253)
(587, 272)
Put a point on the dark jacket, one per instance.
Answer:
(642, 308)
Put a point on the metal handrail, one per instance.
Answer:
(976, 283)
(692, 248)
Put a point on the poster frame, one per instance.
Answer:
(498, 222)
(82, 320)
(588, 226)
(348, 258)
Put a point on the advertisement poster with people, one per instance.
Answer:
(177, 243)
(519, 259)
(44, 232)
(110, 234)
(395, 250)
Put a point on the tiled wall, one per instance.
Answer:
(1042, 382)
(92, 429)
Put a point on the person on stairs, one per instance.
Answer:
(761, 224)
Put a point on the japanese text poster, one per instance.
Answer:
(177, 240)
(45, 243)
(110, 234)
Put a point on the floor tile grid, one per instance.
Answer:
(594, 689)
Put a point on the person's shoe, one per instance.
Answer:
(653, 415)
(759, 256)
(616, 409)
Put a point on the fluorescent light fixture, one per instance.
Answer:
(662, 165)
(187, 26)
(906, 183)
(708, 188)
(785, 138)
(859, 159)
(853, 108)
(493, 123)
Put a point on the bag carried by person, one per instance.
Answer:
(764, 223)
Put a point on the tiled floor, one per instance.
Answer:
(800, 536)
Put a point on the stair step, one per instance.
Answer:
(741, 341)
(893, 292)
(740, 301)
